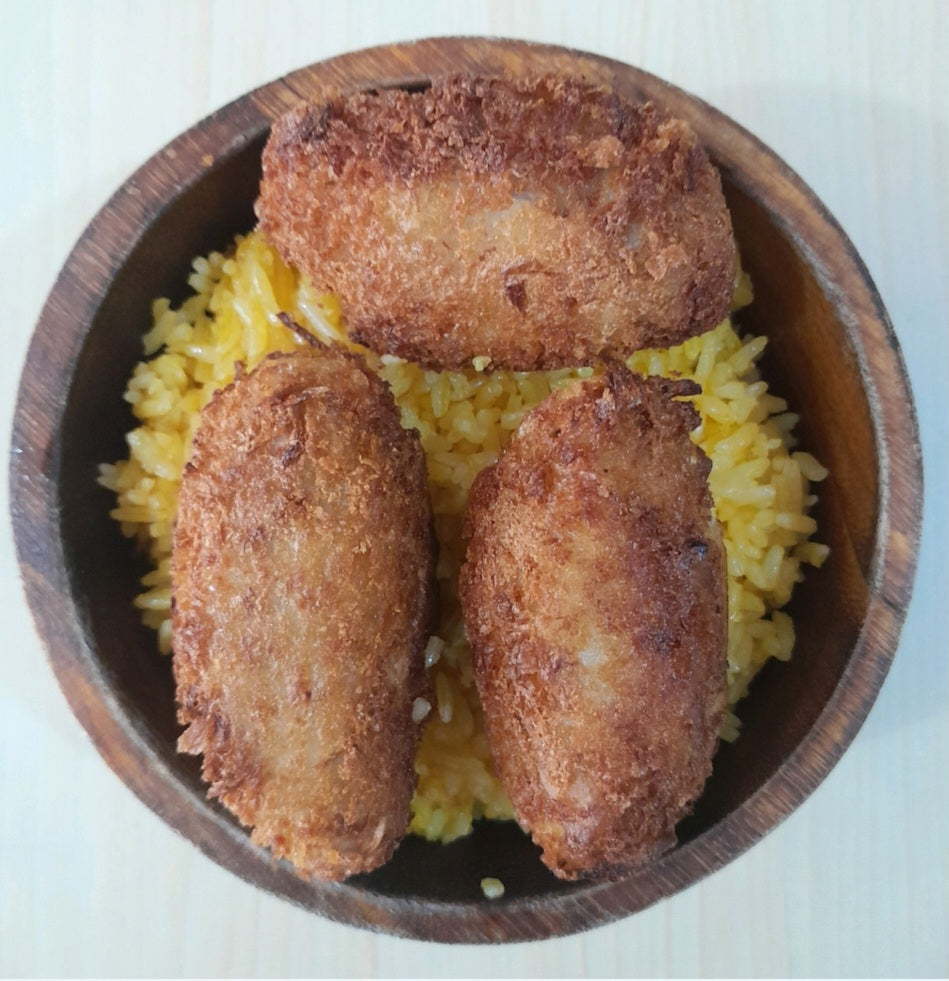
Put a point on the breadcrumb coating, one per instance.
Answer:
(595, 605)
(537, 223)
(302, 585)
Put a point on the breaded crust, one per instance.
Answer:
(302, 583)
(594, 597)
(540, 222)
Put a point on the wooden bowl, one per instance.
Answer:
(832, 354)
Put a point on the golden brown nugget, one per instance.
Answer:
(538, 222)
(594, 597)
(302, 572)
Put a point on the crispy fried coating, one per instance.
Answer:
(594, 596)
(302, 578)
(540, 222)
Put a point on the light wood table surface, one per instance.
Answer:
(855, 97)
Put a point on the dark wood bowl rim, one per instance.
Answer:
(34, 471)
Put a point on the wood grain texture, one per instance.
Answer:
(856, 543)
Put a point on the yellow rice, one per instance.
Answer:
(760, 487)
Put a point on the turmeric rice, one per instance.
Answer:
(760, 485)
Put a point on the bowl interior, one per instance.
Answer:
(808, 363)
(813, 360)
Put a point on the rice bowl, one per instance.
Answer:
(831, 351)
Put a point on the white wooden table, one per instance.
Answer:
(855, 96)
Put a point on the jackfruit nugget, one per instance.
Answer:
(302, 584)
(594, 598)
(538, 222)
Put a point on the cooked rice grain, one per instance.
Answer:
(760, 487)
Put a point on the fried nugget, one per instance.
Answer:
(541, 222)
(302, 584)
(594, 598)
